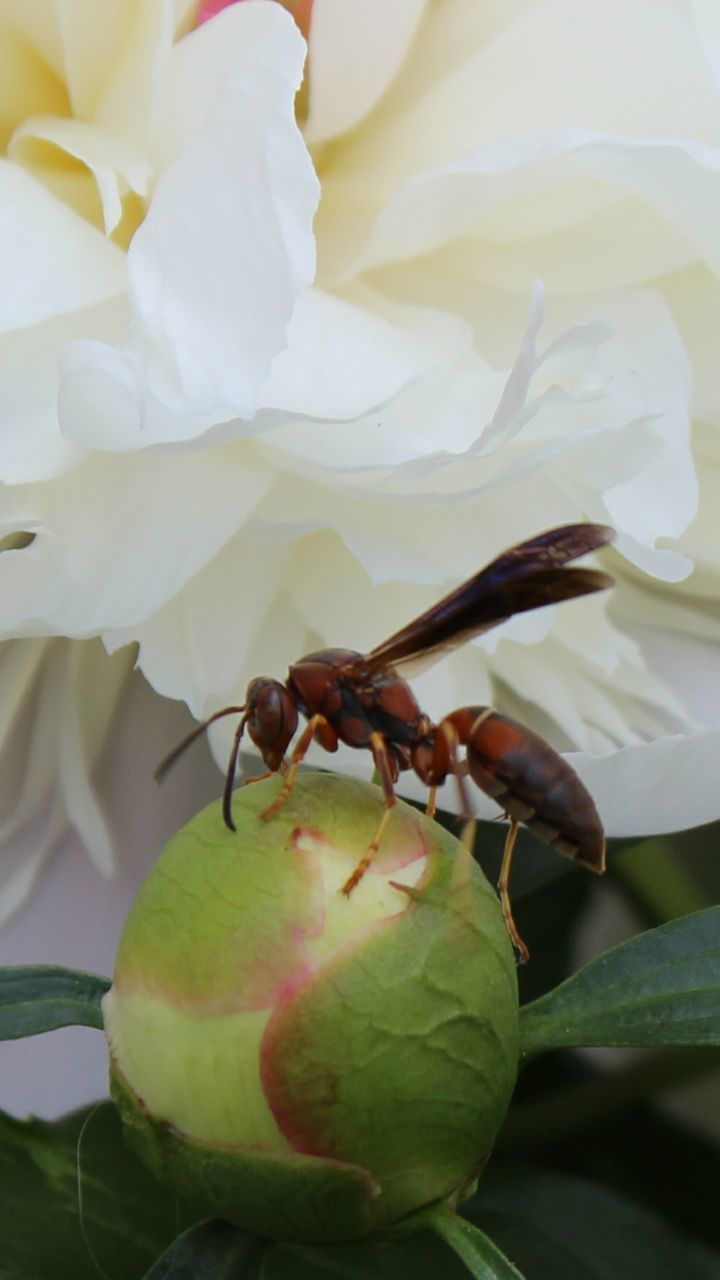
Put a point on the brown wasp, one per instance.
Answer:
(363, 701)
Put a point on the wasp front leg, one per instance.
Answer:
(317, 724)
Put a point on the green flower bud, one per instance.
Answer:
(307, 1065)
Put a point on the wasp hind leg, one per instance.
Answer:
(503, 888)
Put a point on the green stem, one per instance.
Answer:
(482, 1258)
(657, 881)
(587, 1105)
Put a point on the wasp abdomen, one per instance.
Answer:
(535, 785)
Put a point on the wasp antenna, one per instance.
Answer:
(230, 775)
(166, 765)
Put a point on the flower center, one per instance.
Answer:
(300, 10)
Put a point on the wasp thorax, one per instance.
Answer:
(305, 1064)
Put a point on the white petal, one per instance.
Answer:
(346, 355)
(105, 402)
(18, 880)
(184, 649)
(707, 20)
(655, 787)
(119, 536)
(82, 732)
(354, 53)
(52, 261)
(57, 701)
(466, 435)
(217, 264)
(31, 444)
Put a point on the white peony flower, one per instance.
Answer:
(228, 452)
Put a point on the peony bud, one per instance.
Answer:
(307, 1065)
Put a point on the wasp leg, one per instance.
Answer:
(384, 765)
(446, 760)
(301, 748)
(431, 805)
(502, 888)
(260, 777)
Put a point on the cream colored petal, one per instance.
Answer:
(91, 36)
(130, 92)
(587, 211)
(116, 167)
(27, 85)
(52, 261)
(354, 53)
(482, 73)
(37, 23)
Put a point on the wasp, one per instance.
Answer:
(362, 700)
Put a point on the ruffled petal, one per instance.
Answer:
(116, 167)
(53, 261)
(227, 245)
(155, 520)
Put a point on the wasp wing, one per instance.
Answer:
(526, 577)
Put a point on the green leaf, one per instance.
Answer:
(37, 997)
(661, 988)
(562, 1228)
(481, 1256)
(211, 1251)
(77, 1204)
